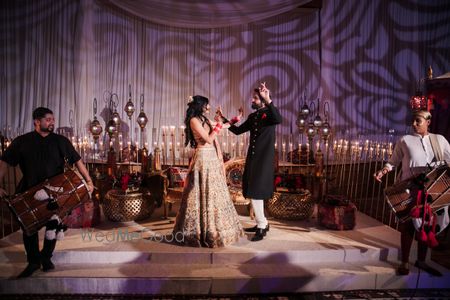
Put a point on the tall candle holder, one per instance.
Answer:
(172, 144)
(182, 128)
(142, 122)
(164, 145)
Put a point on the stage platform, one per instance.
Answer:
(295, 257)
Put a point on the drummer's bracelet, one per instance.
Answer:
(384, 171)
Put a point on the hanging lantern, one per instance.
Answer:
(311, 131)
(418, 102)
(301, 123)
(305, 110)
(142, 120)
(326, 131)
(95, 128)
(129, 107)
(116, 118)
(111, 128)
(317, 122)
(142, 117)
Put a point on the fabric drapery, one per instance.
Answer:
(63, 54)
(204, 13)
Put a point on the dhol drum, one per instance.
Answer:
(401, 196)
(57, 195)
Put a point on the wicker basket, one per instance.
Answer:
(123, 207)
(291, 206)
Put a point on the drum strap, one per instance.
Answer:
(436, 148)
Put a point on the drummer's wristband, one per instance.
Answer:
(384, 171)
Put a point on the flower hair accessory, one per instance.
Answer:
(190, 99)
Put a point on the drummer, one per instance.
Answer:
(413, 152)
(40, 154)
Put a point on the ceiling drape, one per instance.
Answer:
(365, 60)
(205, 13)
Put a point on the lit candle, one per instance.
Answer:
(120, 150)
(137, 152)
(163, 152)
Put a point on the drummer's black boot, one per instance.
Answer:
(46, 255)
(31, 244)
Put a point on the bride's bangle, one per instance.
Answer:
(217, 128)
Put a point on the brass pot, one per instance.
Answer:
(123, 207)
(291, 206)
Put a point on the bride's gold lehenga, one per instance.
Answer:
(207, 217)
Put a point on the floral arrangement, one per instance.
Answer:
(294, 183)
(128, 182)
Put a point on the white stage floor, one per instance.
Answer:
(295, 257)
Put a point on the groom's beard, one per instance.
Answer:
(256, 106)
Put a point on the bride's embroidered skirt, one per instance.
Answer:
(207, 217)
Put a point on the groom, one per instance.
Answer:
(257, 181)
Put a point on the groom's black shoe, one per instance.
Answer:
(255, 228)
(259, 235)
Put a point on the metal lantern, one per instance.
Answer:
(116, 119)
(129, 108)
(142, 117)
(142, 120)
(311, 131)
(301, 123)
(418, 102)
(95, 128)
(326, 131)
(317, 121)
(305, 110)
(111, 128)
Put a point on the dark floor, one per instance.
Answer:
(441, 254)
(350, 295)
